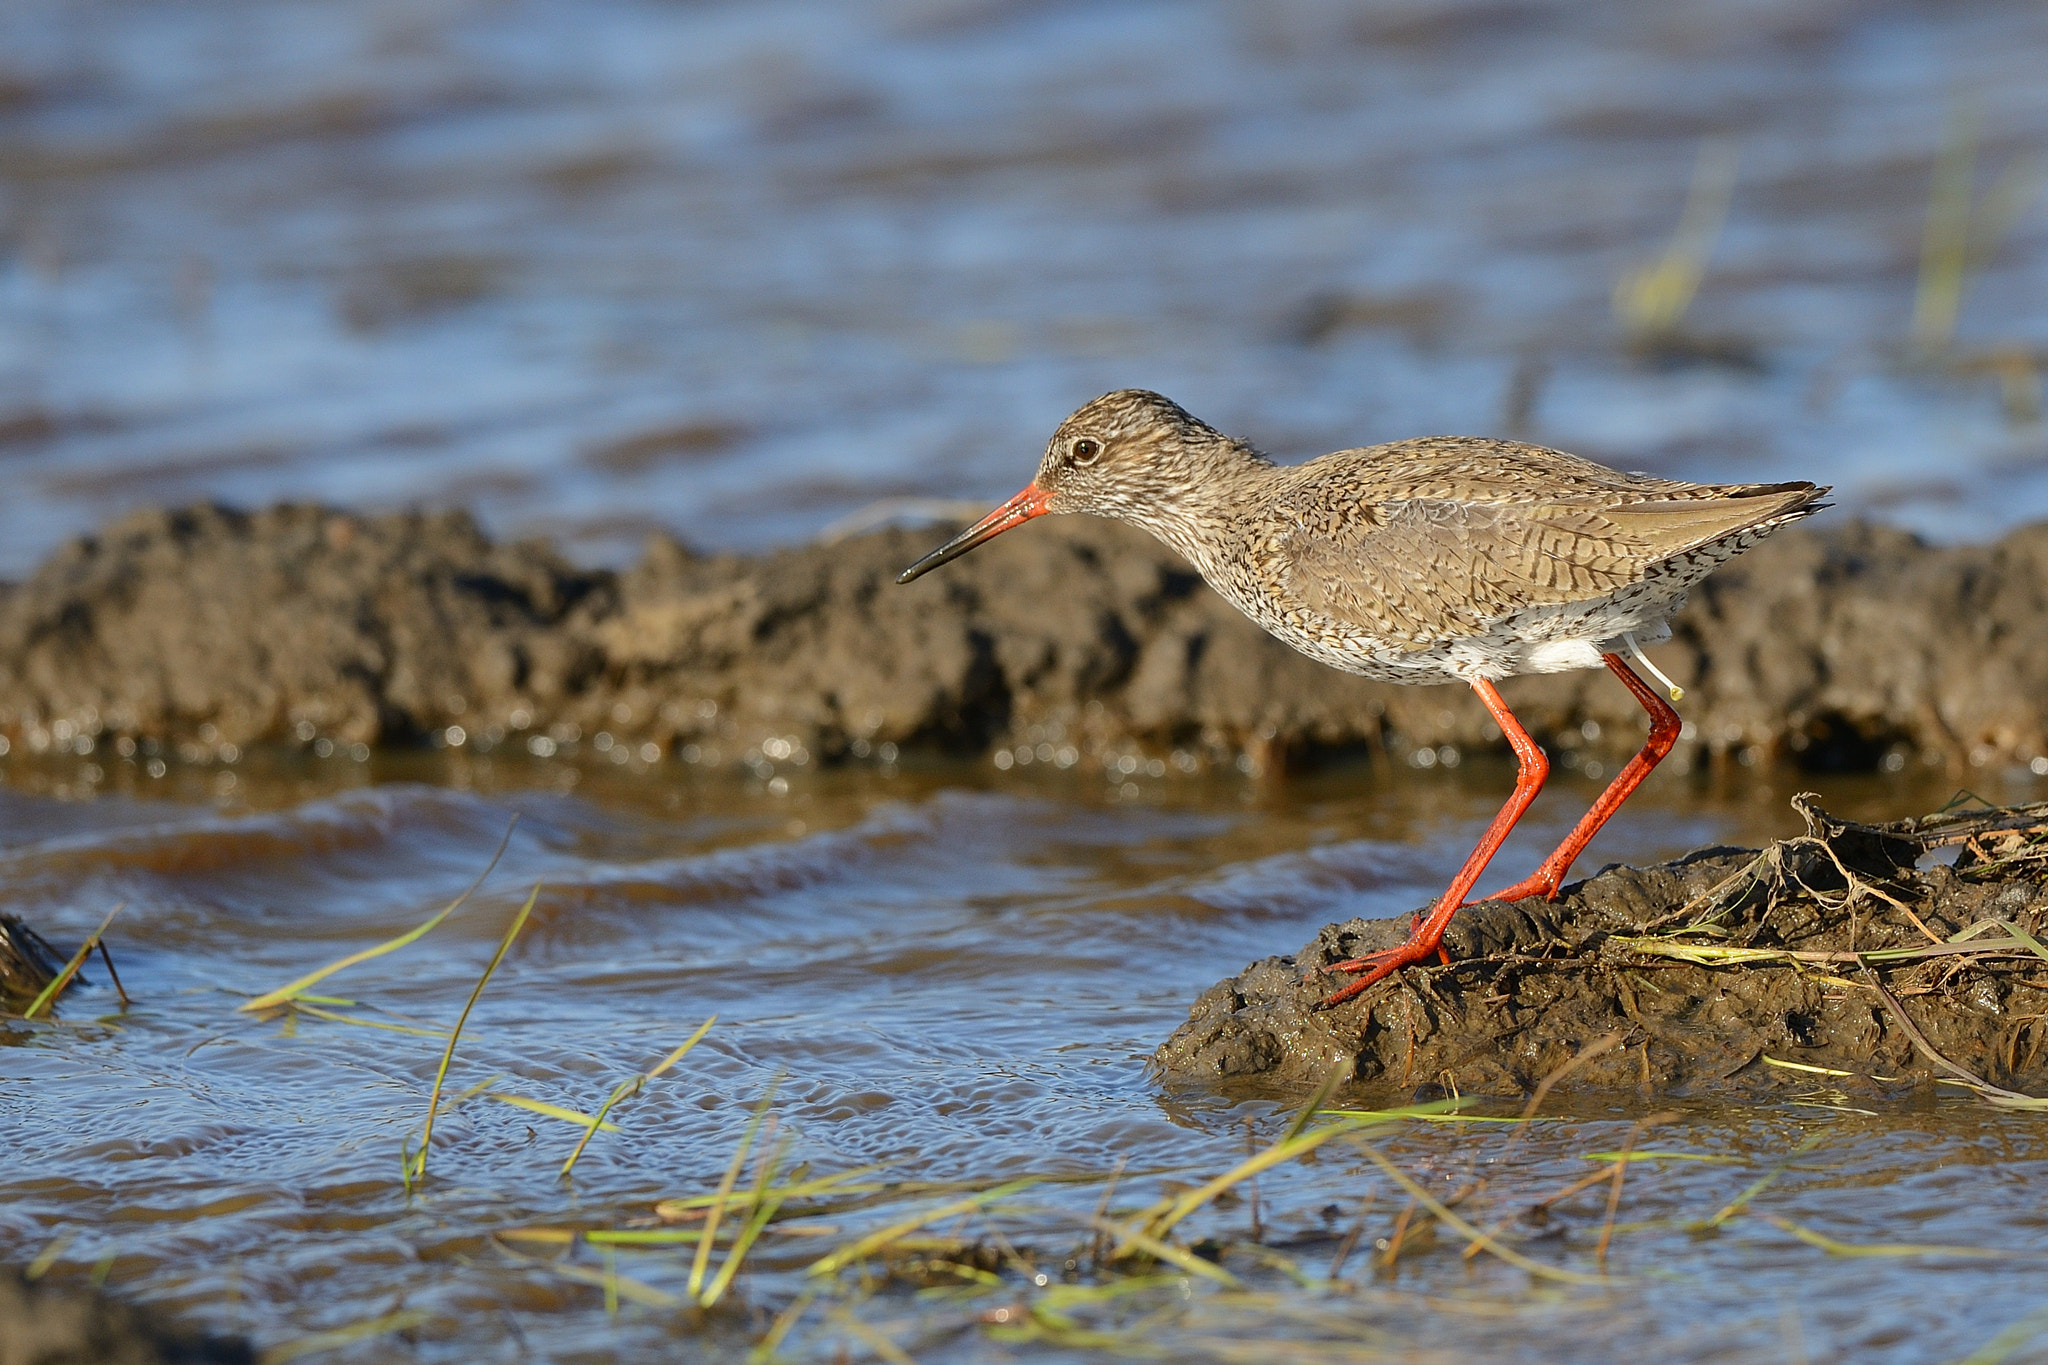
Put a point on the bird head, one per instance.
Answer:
(1122, 455)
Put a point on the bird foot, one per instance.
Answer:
(1383, 964)
(1540, 884)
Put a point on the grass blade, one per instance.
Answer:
(702, 1260)
(624, 1088)
(1470, 1233)
(272, 999)
(673, 1210)
(1161, 1219)
(300, 1006)
(417, 1169)
(63, 978)
(771, 1341)
(342, 1336)
(875, 1241)
(555, 1111)
(614, 1285)
(1835, 1248)
(1135, 1239)
(766, 1201)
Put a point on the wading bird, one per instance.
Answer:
(1445, 557)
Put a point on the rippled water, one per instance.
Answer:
(956, 974)
(738, 270)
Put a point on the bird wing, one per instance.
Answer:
(1415, 560)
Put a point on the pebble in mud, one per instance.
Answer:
(198, 632)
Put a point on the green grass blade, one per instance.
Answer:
(1757, 1186)
(771, 1340)
(1161, 1221)
(632, 1087)
(63, 978)
(271, 999)
(299, 1006)
(555, 1111)
(1136, 1239)
(1835, 1248)
(674, 1209)
(342, 1336)
(702, 1260)
(615, 1285)
(766, 1202)
(418, 1169)
(875, 1241)
(2001, 1347)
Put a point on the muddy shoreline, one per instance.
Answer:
(1844, 952)
(45, 1324)
(201, 631)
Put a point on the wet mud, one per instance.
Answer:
(27, 965)
(43, 1324)
(1833, 952)
(205, 630)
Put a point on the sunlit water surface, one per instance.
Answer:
(600, 267)
(954, 974)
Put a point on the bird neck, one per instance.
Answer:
(1193, 515)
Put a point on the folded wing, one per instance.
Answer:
(1430, 565)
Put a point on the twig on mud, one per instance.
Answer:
(1772, 869)
(1715, 955)
(1747, 872)
(1994, 1094)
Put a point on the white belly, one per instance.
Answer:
(1553, 639)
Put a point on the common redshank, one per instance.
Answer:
(1423, 561)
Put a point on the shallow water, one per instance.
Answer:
(955, 973)
(737, 271)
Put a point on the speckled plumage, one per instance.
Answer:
(1439, 558)
(1421, 561)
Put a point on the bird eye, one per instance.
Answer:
(1086, 451)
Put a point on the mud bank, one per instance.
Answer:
(41, 1324)
(1833, 950)
(204, 630)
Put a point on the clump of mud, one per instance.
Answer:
(199, 631)
(27, 965)
(41, 1324)
(1834, 950)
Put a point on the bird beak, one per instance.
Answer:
(1018, 510)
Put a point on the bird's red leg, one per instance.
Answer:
(1664, 725)
(1426, 940)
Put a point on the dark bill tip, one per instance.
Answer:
(1018, 510)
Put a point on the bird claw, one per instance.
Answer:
(1378, 967)
(1529, 888)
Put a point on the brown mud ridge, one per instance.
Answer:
(42, 1324)
(205, 628)
(1834, 950)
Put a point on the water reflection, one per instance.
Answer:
(738, 271)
